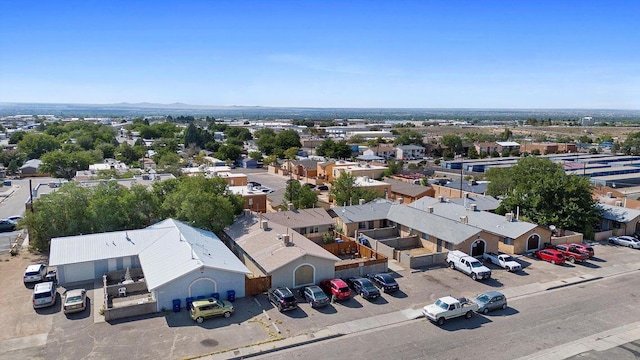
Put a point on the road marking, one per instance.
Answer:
(24, 342)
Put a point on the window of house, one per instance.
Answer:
(617, 225)
(302, 231)
(362, 225)
(424, 236)
(449, 246)
(371, 226)
(314, 230)
(508, 241)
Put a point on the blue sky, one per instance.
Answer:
(420, 54)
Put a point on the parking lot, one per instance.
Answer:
(49, 333)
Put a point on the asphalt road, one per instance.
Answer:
(531, 324)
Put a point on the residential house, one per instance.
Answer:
(371, 171)
(350, 219)
(302, 168)
(386, 151)
(486, 147)
(254, 200)
(617, 221)
(178, 261)
(325, 169)
(271, 249)
(233, 179)
(457, 189)
(549, 148)
(410, 152)
(30, 167)
(312, 223)
(502, 233)
(249, 163)
(508, 146)
(405, 192)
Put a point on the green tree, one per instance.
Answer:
(255, 155)
(230, 152)
(393, 167)
(631, 145)
(34, 145)
(16, 137)
(545, 194)
(130, 154)
(409, 137)
(473, 153)
(287, 139)
(302, 197)
(65, 165)
(291, 153)
(356, 139)
(345, 192)
(453, 142)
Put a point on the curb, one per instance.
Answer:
(284, 347)
(574, 283)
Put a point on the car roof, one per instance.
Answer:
(492, 293)
(34, 267)
(43, 286)
(75, 292)
(206, 302)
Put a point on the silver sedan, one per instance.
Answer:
(628, 241)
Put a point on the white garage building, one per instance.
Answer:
(178, 261)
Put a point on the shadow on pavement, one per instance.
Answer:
(399, 294)
(460, 323)
(500, 313)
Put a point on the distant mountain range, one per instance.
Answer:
(261, 112)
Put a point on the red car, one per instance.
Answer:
(584, 248)
(550, 255)
(571, 253)
(336, 288)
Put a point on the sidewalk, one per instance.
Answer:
(355, 326)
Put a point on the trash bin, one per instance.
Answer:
(215, 296)
(231, 295)
(176, 305)
(188, 301)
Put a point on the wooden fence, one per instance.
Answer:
(256, 285)
(353, 248)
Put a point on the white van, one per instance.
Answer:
(44, 294)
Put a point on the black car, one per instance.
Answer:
(315, 296)
(283, 299)
(322, 188)
(7, 225)
(364, 287)
(385, 282)
(254, 184)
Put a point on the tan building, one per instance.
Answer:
(312, 223)
(405, 192)
(369, 170)
(302, 168)
(254, 200)
(325, 169)
(549, 148)
(234, 179)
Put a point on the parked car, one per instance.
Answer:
(7, 225)
(74, 301)
(364, 287)
(550, 255)
(35, 273)
(491, 300)
(469, 265)
(385, 282)
(315, 296)
(449, 307)
(505, 261)
(628, 241)
(202, 309)
(571, 254)
(585, 249)
(44, 294)
(322, 188)
(15, 218)
(337, 288)
(283, 299)
(254, 183)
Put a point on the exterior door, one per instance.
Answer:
(303, 275)
(533, 243)
(477, 249)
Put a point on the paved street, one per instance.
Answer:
(531, 325)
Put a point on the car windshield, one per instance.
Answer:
(42, 295)
(387, 279)
(74, 298)
(32, 273)
(476, 264)
(442, 305)
(367, 285)
(483, 298)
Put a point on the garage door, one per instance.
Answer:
(78, 272)
(303, 275)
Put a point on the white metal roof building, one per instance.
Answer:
(178, 261)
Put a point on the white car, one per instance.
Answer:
(629, 241)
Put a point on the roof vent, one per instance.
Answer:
(508, 217)
(474, 207)
(609, 194)
(361, 201)
(430, 209)
(286, 240)
(400, 200)
(466, 195)
(618, 203)
(440, 198)
(290, 207)
(464, 219)
(264, 224)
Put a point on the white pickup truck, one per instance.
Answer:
(469, 265)
(449, 307)
(503, 260)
